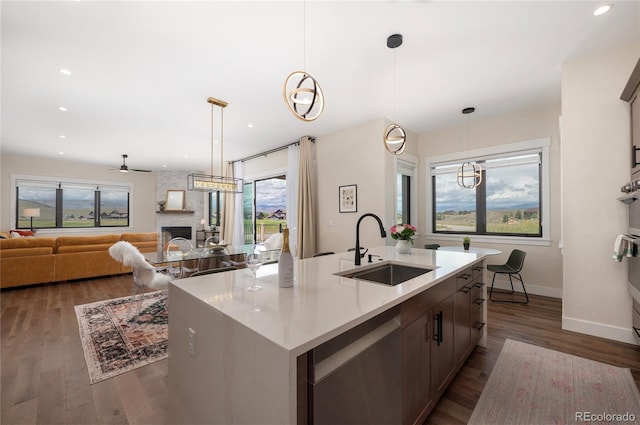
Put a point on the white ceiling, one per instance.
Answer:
(142, 71)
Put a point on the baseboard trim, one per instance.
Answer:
(600, 330)
(531, 289)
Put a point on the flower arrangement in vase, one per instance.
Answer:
(466, 241)
(403, 233)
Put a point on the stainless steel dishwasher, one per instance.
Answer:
(355, 378)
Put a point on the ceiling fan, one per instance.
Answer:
(125, 169)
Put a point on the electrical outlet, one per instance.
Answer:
(191, 342)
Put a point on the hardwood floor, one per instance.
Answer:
(538, 323)
(44, 377)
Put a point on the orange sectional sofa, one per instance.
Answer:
(29, 261)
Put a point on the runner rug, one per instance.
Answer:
(535, 385)
(113, 344)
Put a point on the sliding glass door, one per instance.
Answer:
(265, 211)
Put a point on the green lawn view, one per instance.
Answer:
(498, 221)
(264, 228)
(47, 218)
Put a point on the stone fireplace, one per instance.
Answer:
(170, 232)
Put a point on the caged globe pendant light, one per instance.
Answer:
(469, 174)
(302, 93)
(394, 137)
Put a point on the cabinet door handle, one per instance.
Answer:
(465, 290)
(478, 285)
(634, 156)
(438, 331)
(479, 325)
(479, 301)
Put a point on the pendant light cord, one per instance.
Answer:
(211, 172)
(221, 141)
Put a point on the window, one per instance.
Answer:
(265, 210)
(405, 191)
(215, 207)
(508, 201)
(71, 204)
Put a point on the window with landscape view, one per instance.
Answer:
(506, 203)
(71, 204)
(265, 208)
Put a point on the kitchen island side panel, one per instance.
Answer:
(234, 376)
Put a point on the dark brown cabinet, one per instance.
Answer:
(443, 362)
(416, 371)
(630, 94)
(440, 328)
(462, 332)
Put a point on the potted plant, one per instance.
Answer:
(466, 242)
(403, 233)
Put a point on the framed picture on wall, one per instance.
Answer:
(348, 198)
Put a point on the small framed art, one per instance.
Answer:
(348, 198)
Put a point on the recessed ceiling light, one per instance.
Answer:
(250, 126)
(186, 156)
(60, 153)
(602, 9)
(62, 136)
(62, 108)
(164, 165)
(65, 71)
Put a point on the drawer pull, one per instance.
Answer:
(478, 285)
(465, 290)
(479, 301)
(465, 276)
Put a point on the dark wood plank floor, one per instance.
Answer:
(44, 377)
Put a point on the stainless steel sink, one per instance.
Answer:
(387, 273)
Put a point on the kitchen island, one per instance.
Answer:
(235, 355)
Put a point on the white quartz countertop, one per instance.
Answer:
(320, 305)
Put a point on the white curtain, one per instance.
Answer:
(226, 221)
(293, 178)
(238, 219)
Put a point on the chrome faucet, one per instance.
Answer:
(383, 234)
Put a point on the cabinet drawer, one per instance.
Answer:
(464, 278)
(418, 305)
(477, 271)
(477, 308)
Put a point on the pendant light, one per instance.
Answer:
(469, 174)
(211, 182)
(394, 136)
(301, 91)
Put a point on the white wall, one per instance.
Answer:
(542, 272)
(355, 156)
(596, 141)
(143, 198)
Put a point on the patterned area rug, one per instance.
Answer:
(114, 345)
(535, 385)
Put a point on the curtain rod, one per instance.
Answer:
(281, 148)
